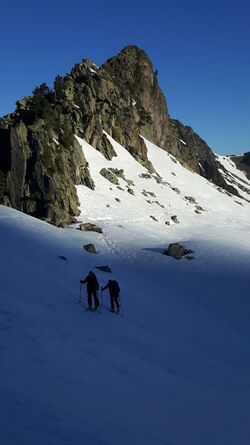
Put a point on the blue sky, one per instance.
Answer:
(200, 49)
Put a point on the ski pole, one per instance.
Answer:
(97, 292)
(80, 295)
(121, 306)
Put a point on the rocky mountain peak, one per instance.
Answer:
(133, 72)
(130, 68)
(41, 161)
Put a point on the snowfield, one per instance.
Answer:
(174, 367)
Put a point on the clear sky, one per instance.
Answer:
(201, 50)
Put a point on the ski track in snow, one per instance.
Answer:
(174, 367)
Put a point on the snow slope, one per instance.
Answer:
(235, 177)
(174, 368)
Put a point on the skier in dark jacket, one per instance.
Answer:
(92, 288)
(114, 291)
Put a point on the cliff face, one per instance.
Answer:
(40, 159)
(193, 152)
(243, 163)
(134, 74)
(38, 172)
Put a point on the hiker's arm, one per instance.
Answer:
(105, 287)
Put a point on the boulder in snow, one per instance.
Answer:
(153, 218)
(90, 248)
(63, 257)
(191, 199)
(177, 251)
(175, 219)
(89, 227)
(110, 176)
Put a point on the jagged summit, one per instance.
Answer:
(133, 71)
(128, 65)
(41, 161)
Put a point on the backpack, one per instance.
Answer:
(115, 286)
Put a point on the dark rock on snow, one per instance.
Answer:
(175, 219)
(177, 251)
(111, 177)
(89, 227)
(90, 248)
(63, 257)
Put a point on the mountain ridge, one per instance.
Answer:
(41, 161)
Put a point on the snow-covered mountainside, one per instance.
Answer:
(41, 161)
(173, 368)
(234, 176)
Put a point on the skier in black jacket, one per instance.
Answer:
(92, 288)
(114, 291)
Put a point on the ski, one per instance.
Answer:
(107, 308)
(93, 310)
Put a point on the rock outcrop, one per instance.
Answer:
(178, 251)
(90, 227)
(243, 163)
(41, 160)
(194, 153)
(90, 248)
